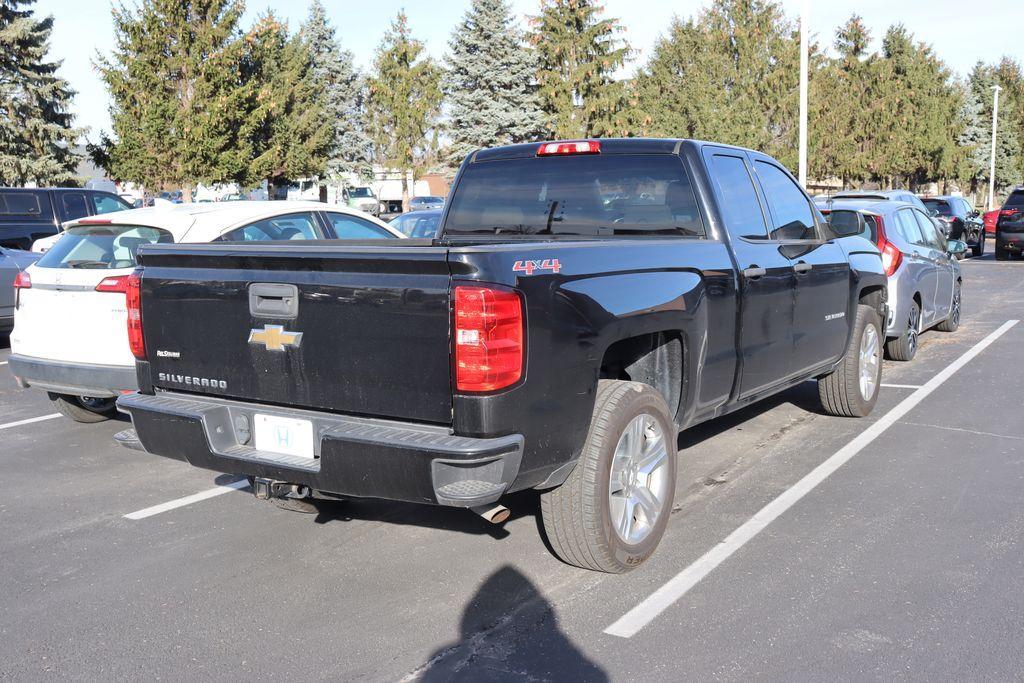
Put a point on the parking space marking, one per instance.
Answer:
(29, 421)
(901, 386)
(640, 616)
(3, 362)
(188, 500)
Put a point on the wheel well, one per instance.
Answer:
(917, 298)
(655, 359)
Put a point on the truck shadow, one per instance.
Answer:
(509, 631)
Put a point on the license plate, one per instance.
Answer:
(284, 435)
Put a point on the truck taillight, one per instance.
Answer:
(133, 302)
(550, 149)
(892, 257)
(488, 338)
(116, 284)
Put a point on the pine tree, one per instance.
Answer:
(1008, 139)
(335, 73)
(974, 140)
(579, 53)
(178, 100)
(403, 103)
(285, 127)
(36, 126)
(489, 82)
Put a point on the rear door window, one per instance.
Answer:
(596, 195)
(20, 204)
(791, 210)
(931, 234)
(908, 228)
(74, 205)
(293, 226)
(354, 228)
(740, 205)
(101, 247)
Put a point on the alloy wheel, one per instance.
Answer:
(638, 482)
(869, 362)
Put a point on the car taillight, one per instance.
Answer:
(488, 338)
(23, 281)
(549, 149)
(892, 257)
(133, 302)
(117, 284)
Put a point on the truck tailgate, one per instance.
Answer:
(374, 325)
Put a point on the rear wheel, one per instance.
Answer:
(979, 248)
(1001, 252)
(904, 347)
(952, 323)
(852, 388)
(612, 511)
(88, 409)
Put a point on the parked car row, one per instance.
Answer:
(27, 215)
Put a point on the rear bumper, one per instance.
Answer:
(355, 456)
(78, 379)
(1012, 240)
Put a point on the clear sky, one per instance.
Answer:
(987, 30)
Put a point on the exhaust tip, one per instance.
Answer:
(495, 514)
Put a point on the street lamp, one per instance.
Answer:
(992, 165)
(804, 31)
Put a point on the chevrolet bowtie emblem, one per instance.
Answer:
(275, 337)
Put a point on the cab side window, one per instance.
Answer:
(348, 227)
(294, 226)
(792, 216)
(742, 209)
(104, 203)
(74, 205)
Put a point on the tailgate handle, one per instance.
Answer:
(273, 300)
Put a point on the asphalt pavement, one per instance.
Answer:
(801, 546)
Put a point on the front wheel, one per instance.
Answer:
(612, 511)
(851, 390)
(87, 409)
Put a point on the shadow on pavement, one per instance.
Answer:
(510, 632)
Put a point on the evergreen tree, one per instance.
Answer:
(974, 140)
(579, 53)
(1008, 139)
(335, 73)
(285, 125)
(178, 103)
(489, 82)
(403, 103)
(36, 131)
(1010, 75)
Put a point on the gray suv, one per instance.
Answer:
(924, 275)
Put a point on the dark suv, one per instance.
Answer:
(960, 221)
(27, 215)
(1010, 226)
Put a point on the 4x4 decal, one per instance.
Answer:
(528, 267)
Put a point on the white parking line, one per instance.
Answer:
(663, 598)
(29, 421)
(901, 386)
(3, 362)
(188, 500)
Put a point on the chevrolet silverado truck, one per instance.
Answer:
(581, 303)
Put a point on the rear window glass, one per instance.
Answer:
(850, 223)
(101, 247)
(20, 204)
(939, 205)
(417, 224)
(588, 195)
(1015, 200)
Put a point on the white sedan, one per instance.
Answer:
(70, 333)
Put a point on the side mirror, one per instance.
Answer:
(956, 247)
(933, 213)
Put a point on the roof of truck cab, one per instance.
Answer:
(608, 146)
(206, 221)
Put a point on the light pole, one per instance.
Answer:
(804, 31)
(992, 165)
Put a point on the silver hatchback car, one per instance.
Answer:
(924, 275)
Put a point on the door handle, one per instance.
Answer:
(754, 272)
(802, 267)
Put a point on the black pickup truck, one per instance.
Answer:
(581, 303)
(29, 214)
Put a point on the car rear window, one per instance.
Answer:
(939, 205)
(20, 204)
(587, 195)
(417, 224)
(1015, 200)
(101, 246)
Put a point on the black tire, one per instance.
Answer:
(840, 391)
(1002, 254)
(89, 411)
(952, 323)
(578, 514)
(904, 347)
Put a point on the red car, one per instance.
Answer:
(991, 218)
